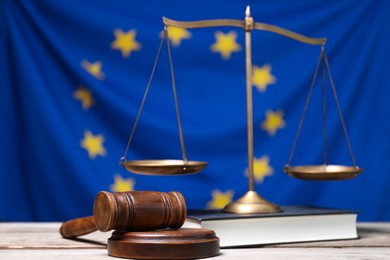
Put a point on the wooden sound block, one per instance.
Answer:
(184, 243)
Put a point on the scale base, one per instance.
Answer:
(251, 203)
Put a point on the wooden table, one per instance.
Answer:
(40, 241)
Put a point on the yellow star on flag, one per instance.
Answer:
(95, 69)
(220, 199)
(120, 184)
(226, 44)
(85, 97)
(262, 77)
(176, 35)
(273, 121)
(261, 168)
(93, 144)
(125, 42)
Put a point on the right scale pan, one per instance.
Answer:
(324, 171)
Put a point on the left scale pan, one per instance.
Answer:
(163, 167)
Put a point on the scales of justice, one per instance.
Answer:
(251, 202)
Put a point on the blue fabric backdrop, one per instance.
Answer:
(73, 74)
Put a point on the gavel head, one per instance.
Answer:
(139, 210)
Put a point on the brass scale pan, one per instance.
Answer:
(323, 172)
(163, 167)
(182, 167)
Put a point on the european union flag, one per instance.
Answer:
(73, 76)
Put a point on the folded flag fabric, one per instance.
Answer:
(73, 75)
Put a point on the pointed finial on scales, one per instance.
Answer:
(248, 20)
(248, 11)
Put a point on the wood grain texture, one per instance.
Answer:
(139, 210)
(226, 254)
(78, 227)
(185, 243)
(45, 236)
(41, 241)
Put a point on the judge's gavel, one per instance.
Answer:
(130, 211)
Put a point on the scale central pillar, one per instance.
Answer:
(251, 202)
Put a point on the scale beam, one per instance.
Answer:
(241, 24)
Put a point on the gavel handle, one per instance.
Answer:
(78, 227)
